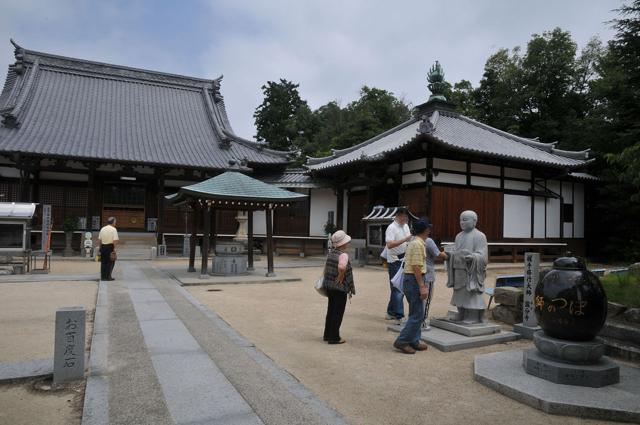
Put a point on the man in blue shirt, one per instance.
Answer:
(433, 253)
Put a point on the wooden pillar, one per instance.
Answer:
(206, 217)
(269, 216)
(214, 230)
(340, 208)
(429, 195)
(90, 197)
(250, 240)
(160, 223)
(193, 242)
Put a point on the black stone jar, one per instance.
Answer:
(570, 302)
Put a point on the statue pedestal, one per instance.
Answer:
(475, 329)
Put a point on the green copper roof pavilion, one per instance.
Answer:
(234, 190)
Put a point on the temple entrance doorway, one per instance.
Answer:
(125, 202)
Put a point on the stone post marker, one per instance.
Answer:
(68, 359)
(529, 323)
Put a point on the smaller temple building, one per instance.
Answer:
(528, 194)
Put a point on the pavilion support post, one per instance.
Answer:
(250, 240)
(269, 216)
(160, 222)
(214, 231)
(204, 268)
(193, 241)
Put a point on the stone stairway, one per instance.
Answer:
(622, 340)
(135, 245)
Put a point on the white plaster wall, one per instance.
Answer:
(517, 185)
(568, 230)
(578, 210)
(9, 172)
(517, 173)
(322, 201)
(553, 211)
(448, 164)
(259, 223)
(567, 192)
(538, 218)
(485, 181)
(450, 178)
(517, 216)
(413, 178)
(493, 170)
(416, 164)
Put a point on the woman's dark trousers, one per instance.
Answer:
(335, 312)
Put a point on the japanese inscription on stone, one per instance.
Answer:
(531, 278)
(68, 362)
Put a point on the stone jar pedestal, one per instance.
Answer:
(68, 251)
(579, 363)
(230, 259)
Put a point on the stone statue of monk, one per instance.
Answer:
(466, 270)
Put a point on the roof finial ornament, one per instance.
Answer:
(426, 126)
(437, 85)
(217, 83)
(18, 52)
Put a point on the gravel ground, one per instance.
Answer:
(366, 379)
(27, 325)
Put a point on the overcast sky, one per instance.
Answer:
(331, 48)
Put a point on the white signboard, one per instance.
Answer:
(46, 227)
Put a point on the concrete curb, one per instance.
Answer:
(13, 371)
(96, 394)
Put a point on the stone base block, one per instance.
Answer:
(450, 341)
(506, 314)
(525, 331)
(603, 373)
(503, 372)
(585, 352)
(475, 329)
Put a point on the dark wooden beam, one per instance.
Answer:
(90, 196)
(250, 240)
(269, 217)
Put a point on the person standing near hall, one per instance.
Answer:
(338, 281)
(396, 238)
(415, 289)
(433, 254)
(108, 240)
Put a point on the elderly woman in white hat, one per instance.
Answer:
(338, 280)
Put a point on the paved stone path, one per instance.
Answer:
(158, 356)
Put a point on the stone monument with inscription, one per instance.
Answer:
(68, 358)
(529, 323)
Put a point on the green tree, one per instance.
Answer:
(280, 117)
(374, 112)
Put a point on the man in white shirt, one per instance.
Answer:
(108, 240)
(396, 238)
